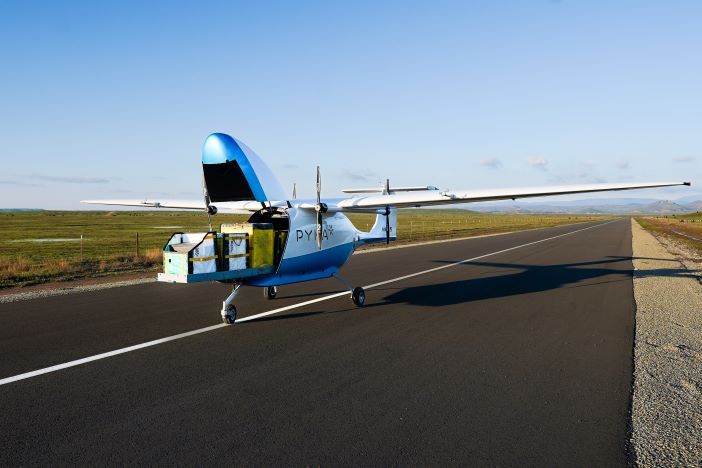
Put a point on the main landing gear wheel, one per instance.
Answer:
(230, 316)
(270, 292)
(358, 296)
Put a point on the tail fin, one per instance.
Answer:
(233, 172)
(378, 232)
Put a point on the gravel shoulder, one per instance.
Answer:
(667, 395)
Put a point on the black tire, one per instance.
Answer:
(270, 292)
(230, 317)
(358, 296)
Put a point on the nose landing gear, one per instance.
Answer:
(228, 309)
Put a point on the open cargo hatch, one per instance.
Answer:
(237, 252)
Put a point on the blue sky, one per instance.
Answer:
(114, 100)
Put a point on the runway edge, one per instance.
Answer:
(667, 395)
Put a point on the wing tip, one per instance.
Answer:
(689, 184)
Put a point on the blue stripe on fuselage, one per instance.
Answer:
(317, 265)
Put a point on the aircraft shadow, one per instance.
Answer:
(509, 279)
(525, 280)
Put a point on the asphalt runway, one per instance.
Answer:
(519, 358)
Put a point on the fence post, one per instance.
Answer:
(81, 248)
(137, 245)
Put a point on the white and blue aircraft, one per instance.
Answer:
(320, 239)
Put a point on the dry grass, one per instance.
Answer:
(153, 256)
(686, 228)
(21, 272)
(14, 266)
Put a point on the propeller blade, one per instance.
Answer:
(387, 224)
(319, 210)
(319, 230)
(319, 186)
(387, 213)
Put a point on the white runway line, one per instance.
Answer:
(96, 357)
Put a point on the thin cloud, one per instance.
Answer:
(683, 159)
(623, 165)
(16, 182)
(538, 162)
(188, 194)
(290, 166)
(359, 176)
(68, 180)
(491, 162)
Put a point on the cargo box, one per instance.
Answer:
(235, 253)
(190, 253)
(240, 251)
(260, 245)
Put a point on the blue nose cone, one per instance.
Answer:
(221, 148)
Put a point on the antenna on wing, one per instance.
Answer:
(320, 208)
(209, 208)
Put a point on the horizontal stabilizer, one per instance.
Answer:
(393, 189)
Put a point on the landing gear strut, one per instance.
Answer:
(270, 292)
(358, 295)
(228, 309)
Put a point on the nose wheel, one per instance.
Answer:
(229, 316)
(228, 309)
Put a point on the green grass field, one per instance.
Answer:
(41, 246)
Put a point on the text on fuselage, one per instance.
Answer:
(309, 234)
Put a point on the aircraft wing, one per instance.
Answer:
(415, 198)
(438, 197)
(177, 204)
(241, 207)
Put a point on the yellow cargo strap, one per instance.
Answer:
(236, 255)
(202, 259)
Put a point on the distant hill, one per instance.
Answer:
(8, 210)
(695, 205)
(593, 207)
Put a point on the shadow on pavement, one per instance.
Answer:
(511, 279)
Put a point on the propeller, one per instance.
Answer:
(294, 191)
(387, 213)
(320, 208)
(209, 208)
